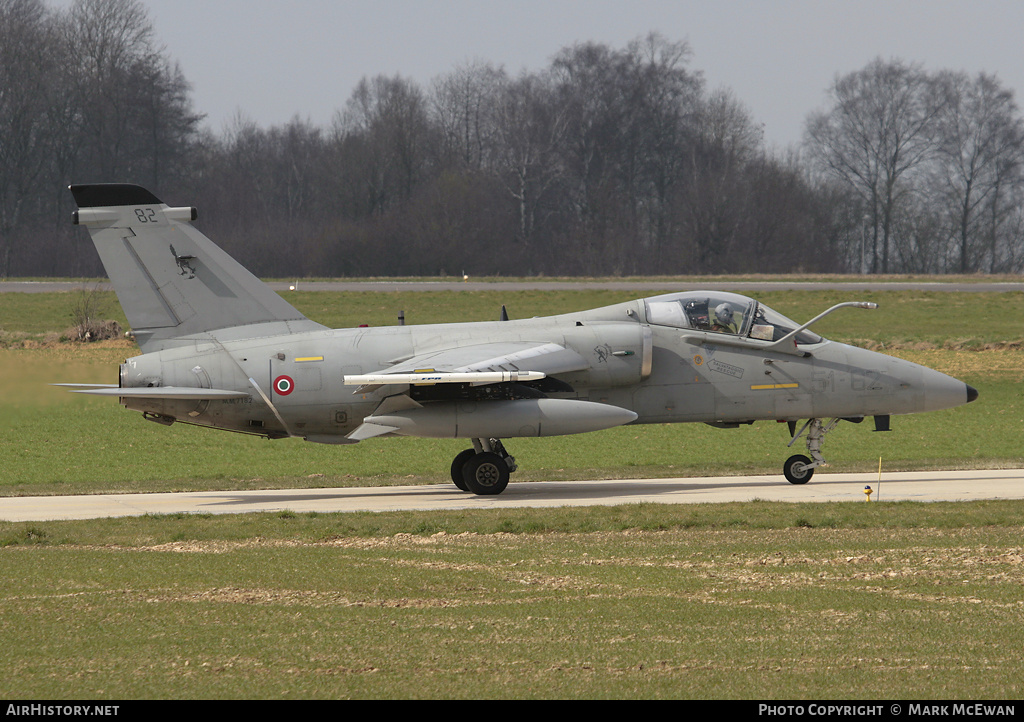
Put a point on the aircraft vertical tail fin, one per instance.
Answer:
(171, 280)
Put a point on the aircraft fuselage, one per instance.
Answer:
(663, 374)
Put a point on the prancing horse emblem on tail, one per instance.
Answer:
(183, 263)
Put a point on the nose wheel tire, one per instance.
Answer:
(486, 473)
(797, 469)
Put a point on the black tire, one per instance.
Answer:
(795, 471)
(486, 473)
(457, 467)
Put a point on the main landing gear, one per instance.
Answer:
(798, 469)
(484, 469)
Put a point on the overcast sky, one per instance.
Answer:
(271, 60)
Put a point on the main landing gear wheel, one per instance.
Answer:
(798, 469)
(486, 473)
(457, 468)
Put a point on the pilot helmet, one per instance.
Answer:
(723, 313)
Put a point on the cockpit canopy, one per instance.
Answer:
(721, 312)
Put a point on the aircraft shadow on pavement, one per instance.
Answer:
(548, 490)
(557, 490)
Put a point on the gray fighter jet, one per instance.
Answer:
(221, 349)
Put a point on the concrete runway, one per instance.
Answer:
(897, 486)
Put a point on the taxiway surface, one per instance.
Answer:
(967, 485)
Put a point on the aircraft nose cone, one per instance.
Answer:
(972, 393)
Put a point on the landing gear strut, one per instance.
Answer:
(484, 469)
(798, 469)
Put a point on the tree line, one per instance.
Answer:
(609, 161)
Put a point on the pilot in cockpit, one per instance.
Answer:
(724, 319)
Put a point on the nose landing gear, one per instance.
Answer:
(798, 469)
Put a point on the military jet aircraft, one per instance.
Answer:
(221, 349)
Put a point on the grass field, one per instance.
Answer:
(738, 601)
(741, 601)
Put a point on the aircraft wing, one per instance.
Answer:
(478, 364)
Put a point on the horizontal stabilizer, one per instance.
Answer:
(175, 393)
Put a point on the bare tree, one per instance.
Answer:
(164, 125)
(463, 109)
(715, 203)
(629, 122)
(878, 130)
(531, 130)
(670, 99)
(108, 40)
(980, 157)
(386, 125)
(27, 64)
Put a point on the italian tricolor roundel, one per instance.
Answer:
(283, 385)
